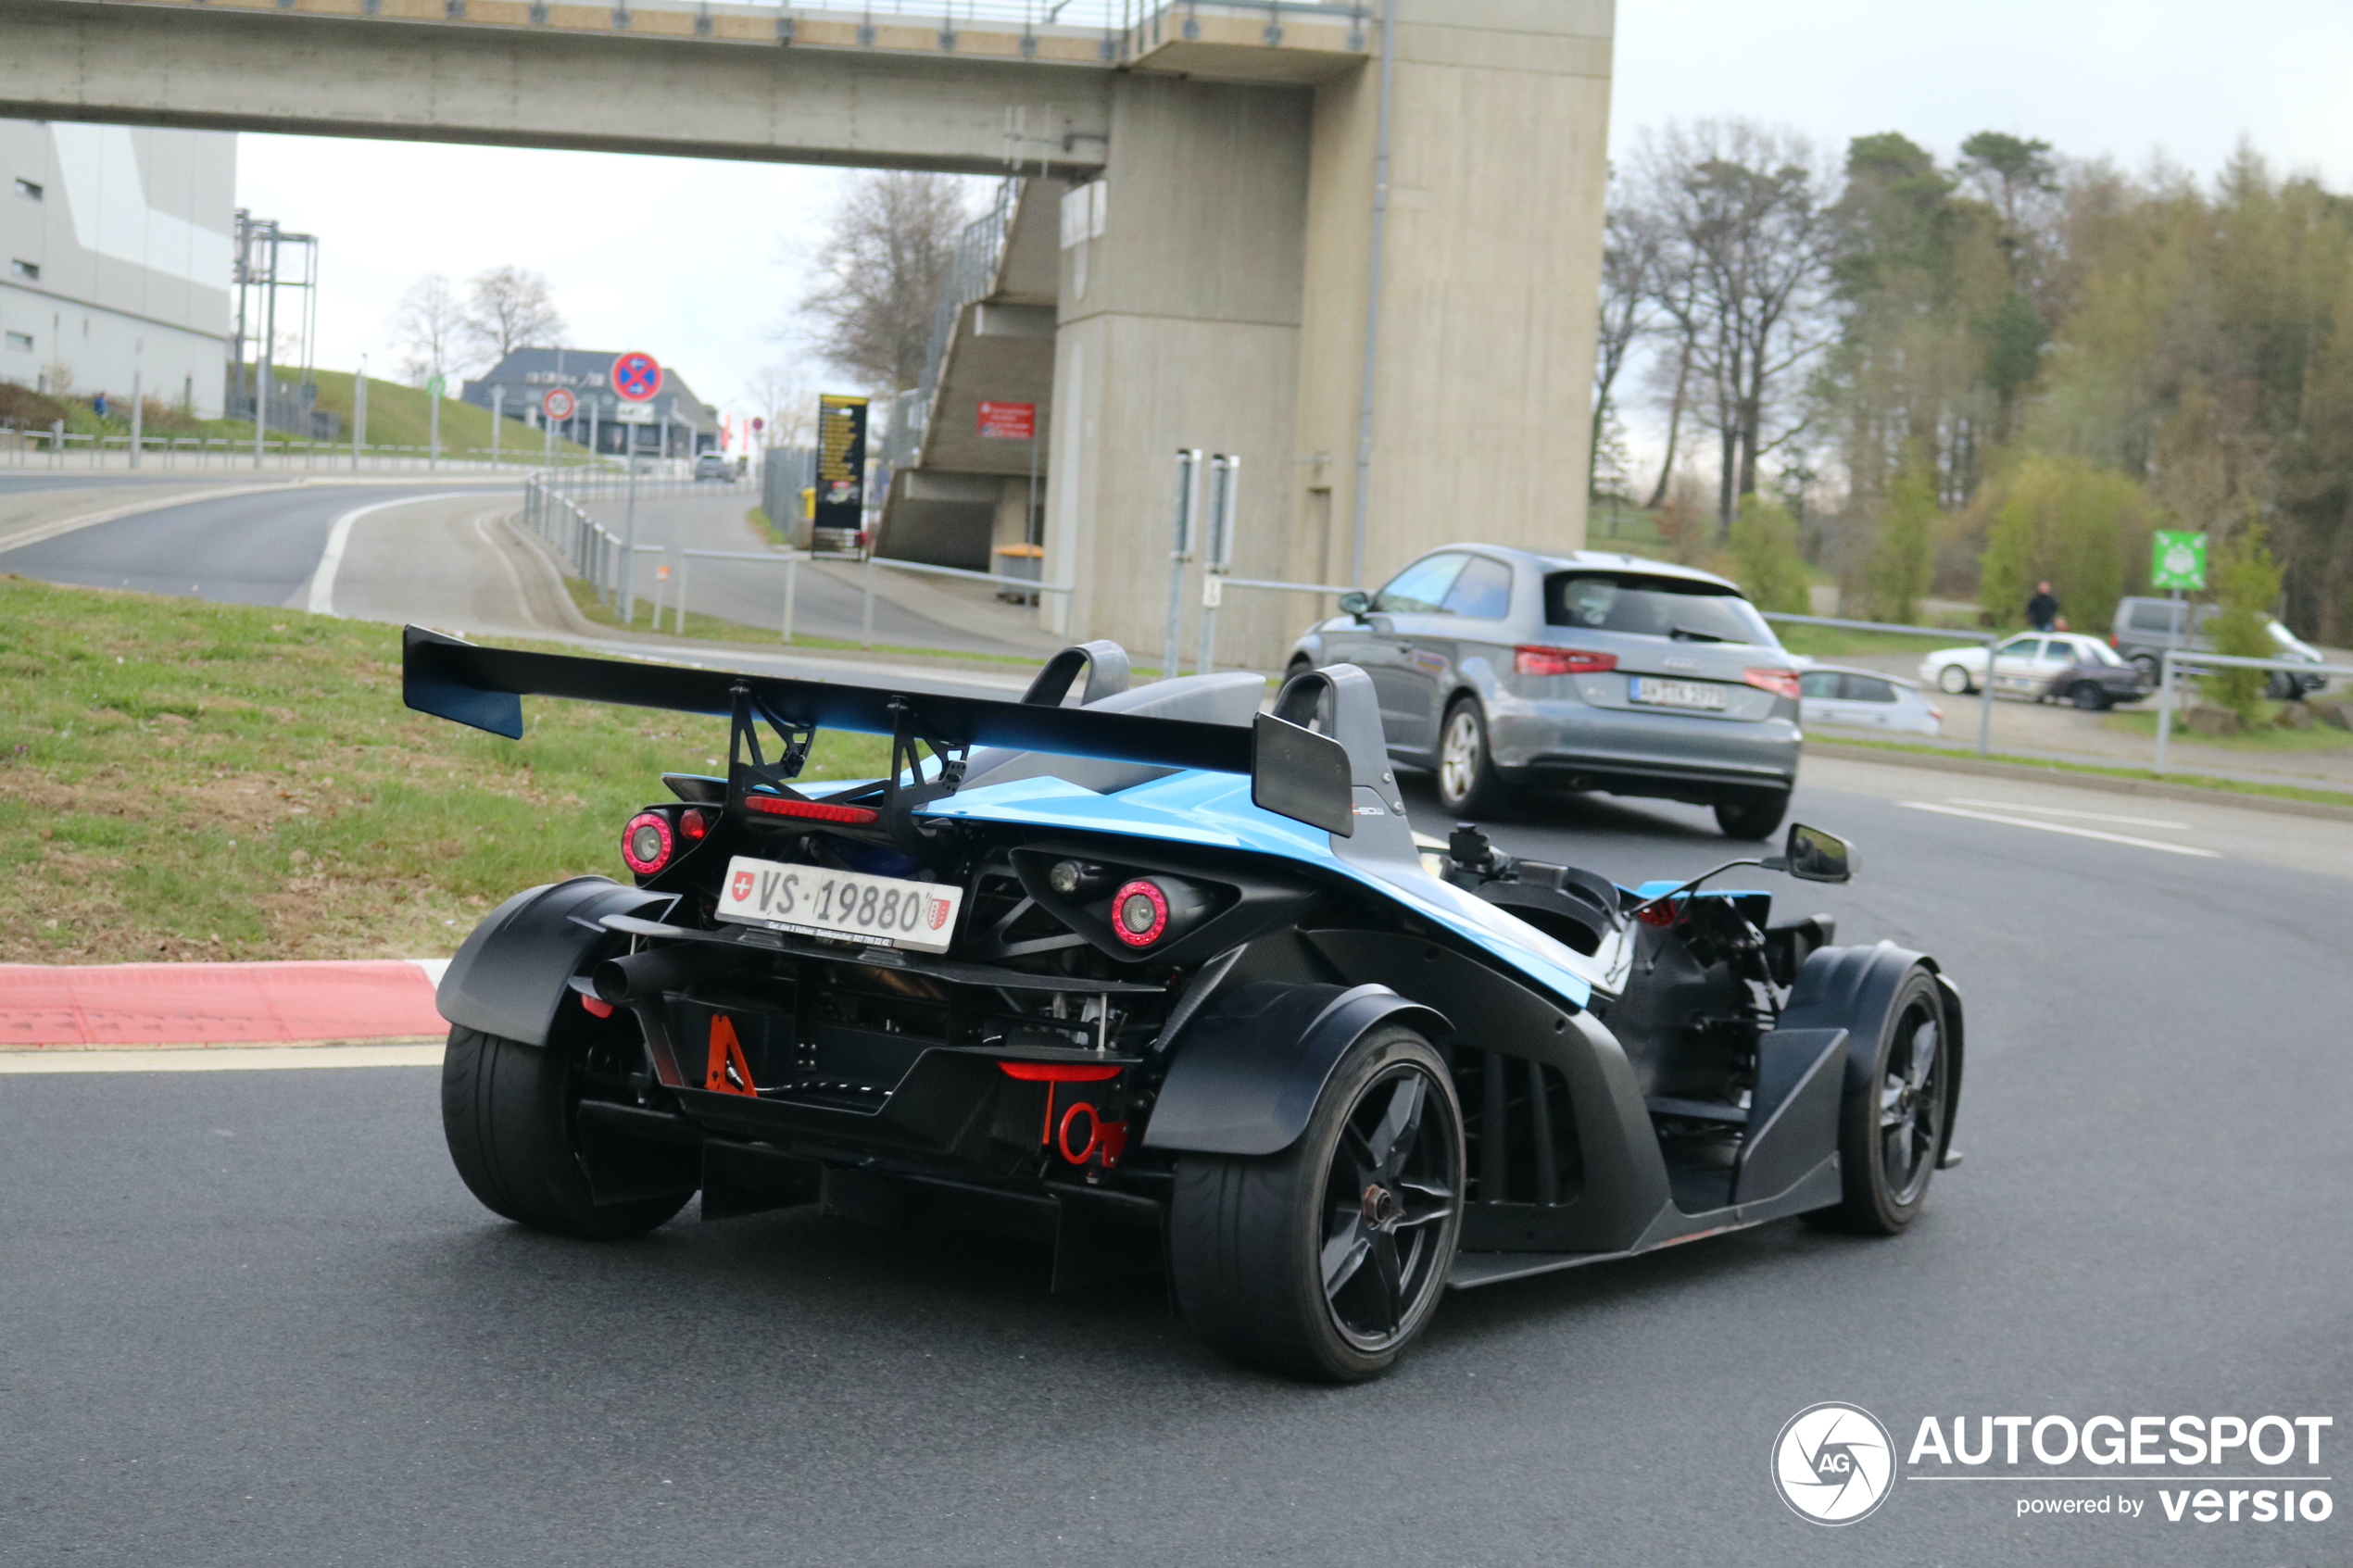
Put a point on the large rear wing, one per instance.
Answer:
(1293, 771)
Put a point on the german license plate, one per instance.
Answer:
(1676, 694)
(882, 911)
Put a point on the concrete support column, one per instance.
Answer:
(1499, 149)
(1179, 326)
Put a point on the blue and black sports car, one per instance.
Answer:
(1168, 982)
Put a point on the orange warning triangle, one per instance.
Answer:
(728, 1072)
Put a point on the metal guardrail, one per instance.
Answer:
(866, 622)
(1984, 639)
(56, 449)
(2193, 663)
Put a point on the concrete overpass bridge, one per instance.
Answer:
(1213, 171)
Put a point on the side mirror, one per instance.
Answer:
(1812, 855)
(1356, 604)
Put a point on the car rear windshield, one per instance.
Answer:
(1654, 607)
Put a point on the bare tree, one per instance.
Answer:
(1743, 249)
(880, 272)
(510, 308)
(785, 398)
(430, 326)
(1630, 250)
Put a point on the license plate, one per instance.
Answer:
(882, 911)
(1676, 694)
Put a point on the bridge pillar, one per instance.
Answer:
(1222, 306)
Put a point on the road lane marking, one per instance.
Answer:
(219, 1059)
(2062, 827)
(322, 581)
(2059, 812)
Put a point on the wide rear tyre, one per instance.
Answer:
(1757, 816)
(1890, 1123)
(1325, 1261)
(2089, 695)
(510, 1113)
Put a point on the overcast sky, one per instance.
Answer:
(696, 262)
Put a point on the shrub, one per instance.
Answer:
(1765, 561)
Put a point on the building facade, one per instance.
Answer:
(673, 423)
(115, 260)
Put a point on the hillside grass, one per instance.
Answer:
(2170, 776)
(401, 416)
(182, 780)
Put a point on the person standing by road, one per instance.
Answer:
(2043, 609)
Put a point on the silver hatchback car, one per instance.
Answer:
(1499, 668)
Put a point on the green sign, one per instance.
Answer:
(2178, 560)
(436, 386)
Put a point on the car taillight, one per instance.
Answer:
(1540, 661)
(1139, 913)
(694, 824)
(647, 844)
(812, 810)
(1780, 682)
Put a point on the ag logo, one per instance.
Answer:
(743, 887)
(1833, 1463)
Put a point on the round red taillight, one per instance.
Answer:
(693, 823)
(645, 843)
(1139, 913)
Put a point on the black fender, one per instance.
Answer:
(1852, 988)
(1249, 1071)
(515, 968)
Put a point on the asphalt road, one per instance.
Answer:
(253, 1318)
(245, 549)
(446, 562)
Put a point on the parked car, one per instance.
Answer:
(2147, 627)
(2098, 680)
(1866, 699)
(2024, 665)
(1499, 669)
(1164, 980)
(712, 464)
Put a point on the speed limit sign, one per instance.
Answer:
(558, 403)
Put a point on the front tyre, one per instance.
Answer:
(1754, 817)
(1326, 1260)
(1954, 681)
(1891, 1125)
(1467, 782)
(508, 1112)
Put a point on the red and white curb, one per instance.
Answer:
(211, 1017)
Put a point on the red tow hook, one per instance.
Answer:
(1108, 1139)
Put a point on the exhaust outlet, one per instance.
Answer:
(640, 977)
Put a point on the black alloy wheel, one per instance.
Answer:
(1325, 1261)
(1892, 1121)
(2090, 696)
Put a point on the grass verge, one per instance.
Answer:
(182, 780)
(2193, 781)
(2269, 738)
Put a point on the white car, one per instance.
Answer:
(1866, 699)
(2023, 665)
